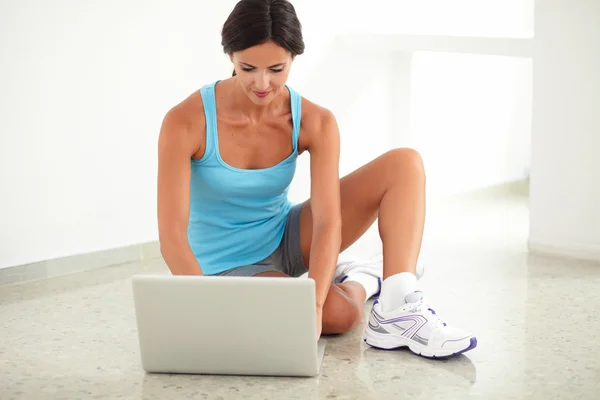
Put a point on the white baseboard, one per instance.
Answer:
(567, 251)
(78, 263)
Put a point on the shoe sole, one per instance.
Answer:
(382, 342)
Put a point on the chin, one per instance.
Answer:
(262, 100)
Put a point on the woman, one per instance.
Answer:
(227, 155)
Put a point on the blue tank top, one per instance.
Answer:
(237, 216)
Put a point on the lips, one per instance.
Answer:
(261, 94)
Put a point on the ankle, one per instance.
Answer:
(395, 288)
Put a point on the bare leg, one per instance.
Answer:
(390, 188)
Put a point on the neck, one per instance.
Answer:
(243, 104)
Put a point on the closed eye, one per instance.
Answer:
(274, 68)
(246, 69)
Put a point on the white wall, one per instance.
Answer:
(85, 85)
(471, 120)
(565, 167)
(482, 18)
(469, 115)
(357, 91)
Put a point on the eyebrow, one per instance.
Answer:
(272, 66)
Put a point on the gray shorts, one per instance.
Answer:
(287, 258)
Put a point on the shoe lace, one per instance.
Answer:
(422, 307)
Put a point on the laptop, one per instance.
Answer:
(227, 325)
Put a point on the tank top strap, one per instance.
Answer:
(210, 114)
(296, 106)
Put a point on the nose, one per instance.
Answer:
(262, 81)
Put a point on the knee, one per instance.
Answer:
(406, 162)
(341, 315)
(350, 317)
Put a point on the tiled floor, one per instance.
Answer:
(536, 320)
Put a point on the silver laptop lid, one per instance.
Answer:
(227, 325)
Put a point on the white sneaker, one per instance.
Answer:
(416, 326)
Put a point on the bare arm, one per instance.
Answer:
(175, 149)
(325, 204)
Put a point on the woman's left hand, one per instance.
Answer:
(319, 321)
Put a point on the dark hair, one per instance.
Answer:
(254, 22)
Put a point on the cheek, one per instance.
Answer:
(280, 79)
(246, 80)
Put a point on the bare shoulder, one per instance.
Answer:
(184, 126)
(318, 124)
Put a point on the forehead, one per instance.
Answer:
(263, 55)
